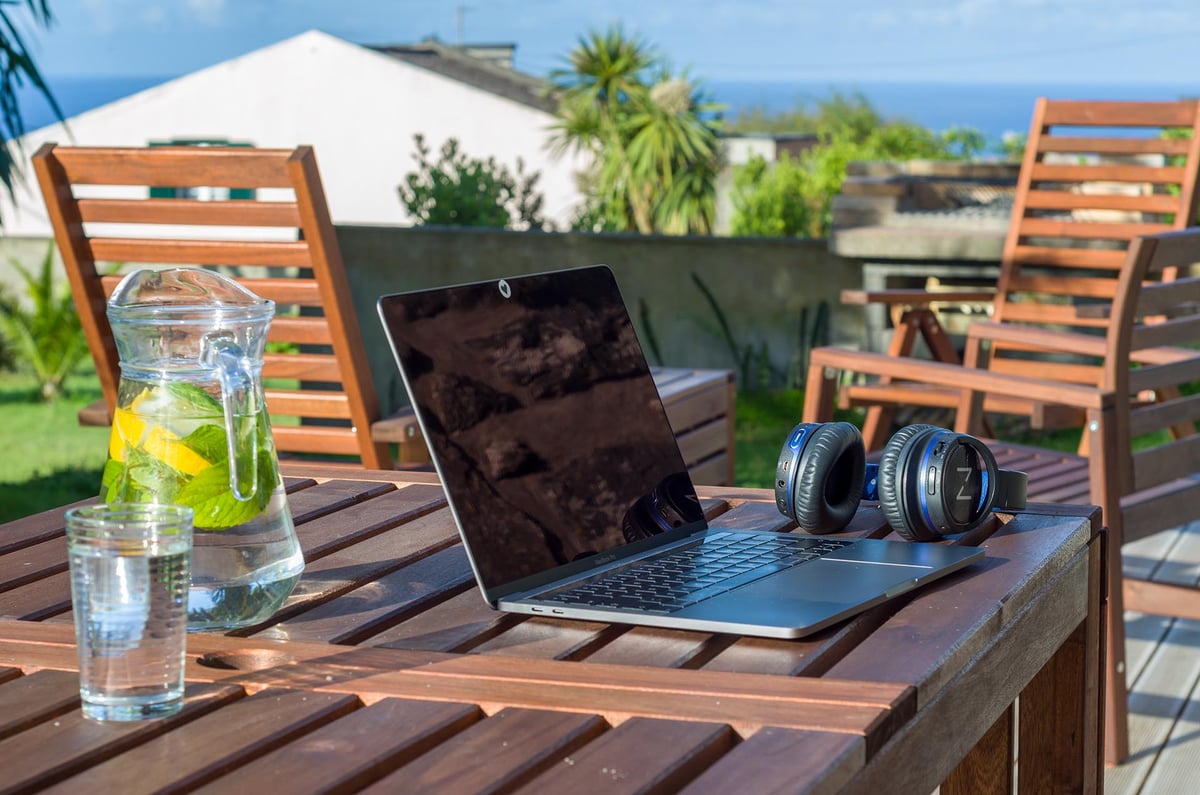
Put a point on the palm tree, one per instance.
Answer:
(652, 139)
(16, 69)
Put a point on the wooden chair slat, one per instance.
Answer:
(191, 212)
(303, 366)
(1080, 286)
(1159, 298)
(1025, 255)
(315, 439)
(1146, 513)
(284, 292)
(1173, 250)
(1175, 331)
(1119, 114)
(1160, 376)
(1152, 175)
(300, 330)
(1058, 371)
(1049, 227)
(1114, 146)
(201, 252)
(1153, 417)
(1051, 314)
(308, 403)
(1068, 200)
(176, 166)
(1165, 463)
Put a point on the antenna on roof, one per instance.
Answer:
(460, 13)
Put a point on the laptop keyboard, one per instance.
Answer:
(683, 577)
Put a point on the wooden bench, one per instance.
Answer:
(1150, 368)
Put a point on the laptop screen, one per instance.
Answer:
(543, 420)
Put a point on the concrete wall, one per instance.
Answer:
(761, 285)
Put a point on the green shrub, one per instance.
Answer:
(46, 335)
(458, 190)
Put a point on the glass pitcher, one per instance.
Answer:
(191, 428)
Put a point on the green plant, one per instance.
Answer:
(16, 68)
(458, 190)
(756, 371)
(651, 136)
(794, 196)
(46, 334)
(770, 201)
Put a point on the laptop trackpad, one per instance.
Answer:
(812, 592)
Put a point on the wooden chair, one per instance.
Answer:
(133, 205)
(275, 220)
(1149, 370)
(1095, 174)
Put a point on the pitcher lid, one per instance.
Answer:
(185, 295)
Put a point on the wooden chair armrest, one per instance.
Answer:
(399, 428)
(1071, 342)
(959, 377)
(95, 415)
(915, 297)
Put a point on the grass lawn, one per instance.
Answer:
(48, 459)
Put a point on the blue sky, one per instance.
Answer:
(1027, 41)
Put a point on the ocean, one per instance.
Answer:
(994, 109)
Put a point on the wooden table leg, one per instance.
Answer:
(988, 768)
(1062, 709)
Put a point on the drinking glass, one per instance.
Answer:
(129, 587)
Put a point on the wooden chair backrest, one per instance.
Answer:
(1094, 176)
(1156, 323)
(104, 207)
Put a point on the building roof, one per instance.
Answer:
(476, 65)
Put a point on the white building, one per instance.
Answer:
(358, 106)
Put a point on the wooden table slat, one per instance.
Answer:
(353, 750)
(495, 754)
(640, 755)
(200, 750)
(768, 762)
(59, 748)
(31, 699)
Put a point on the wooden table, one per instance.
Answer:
(387, 671)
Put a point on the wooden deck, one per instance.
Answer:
(1163, 657)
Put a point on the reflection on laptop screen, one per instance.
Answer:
(543, 418)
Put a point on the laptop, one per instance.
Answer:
(568, 487)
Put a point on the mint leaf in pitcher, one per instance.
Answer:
(209, 442)
(191, 401)
(215, 507)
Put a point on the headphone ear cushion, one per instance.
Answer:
(891, 500)
(829, 478)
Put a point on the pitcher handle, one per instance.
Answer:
(238, 402)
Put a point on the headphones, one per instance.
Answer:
(930, 482)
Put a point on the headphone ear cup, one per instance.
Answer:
(891, 498)
(829, 478)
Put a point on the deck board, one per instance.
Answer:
(1163, 667)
